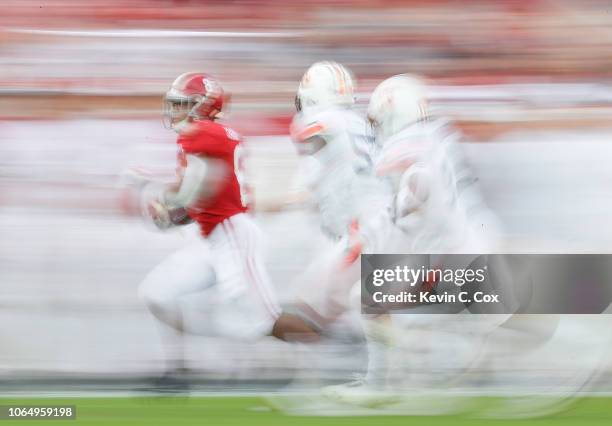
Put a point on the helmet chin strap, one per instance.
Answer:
(181, 125)
(193, 115)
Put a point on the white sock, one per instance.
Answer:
(377, 355)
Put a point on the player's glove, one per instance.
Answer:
(159, 214)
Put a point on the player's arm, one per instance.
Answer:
(307, 140)
(200, 181)
(195, 185)
(298, 195)
(310, 145)
(308, 137)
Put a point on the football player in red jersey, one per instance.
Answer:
(226, 267)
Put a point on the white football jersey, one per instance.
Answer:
(339, 172)
(436, 202)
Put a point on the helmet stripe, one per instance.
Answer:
(339, 77)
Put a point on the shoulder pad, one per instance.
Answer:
(305, 126)
(398, 157)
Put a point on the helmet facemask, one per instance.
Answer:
(175, 110)
(372, 132)
(298, 103)
(179, 109)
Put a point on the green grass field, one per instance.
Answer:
(256, 411)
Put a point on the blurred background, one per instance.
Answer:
(81, 82)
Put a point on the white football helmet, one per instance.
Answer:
(325, 84)
(395, 104)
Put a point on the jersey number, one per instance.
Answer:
(240, 176)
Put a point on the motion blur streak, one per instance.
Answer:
(527, 82)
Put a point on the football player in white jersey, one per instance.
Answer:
(436, 208)
(336, 153)
(437, 205)
(335, 148)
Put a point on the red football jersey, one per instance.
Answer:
(210, 139)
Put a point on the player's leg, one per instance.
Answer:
(323, 289)
(292, 327)
(247, 306)
(369, 389)
(184, 273)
